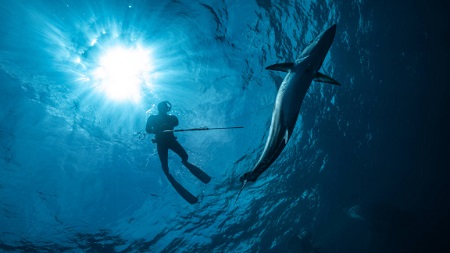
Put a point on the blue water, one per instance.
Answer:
(366, 169)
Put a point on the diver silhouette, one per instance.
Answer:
(162, 126)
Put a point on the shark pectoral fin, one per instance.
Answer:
(325, 79)
(285, 67)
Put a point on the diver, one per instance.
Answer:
(162, 126)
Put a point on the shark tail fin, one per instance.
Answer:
(286, 137)
(285, 67)
(320, 77)
(240, 191)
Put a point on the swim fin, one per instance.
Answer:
(181, 190)
(196, 171)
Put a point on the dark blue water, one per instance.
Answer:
(366, 169)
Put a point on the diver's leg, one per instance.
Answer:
(163, 152)
(179, 150)
(196, 171)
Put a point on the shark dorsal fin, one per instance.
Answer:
(325, 79)
(285, 67)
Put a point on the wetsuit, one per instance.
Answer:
(156, 124)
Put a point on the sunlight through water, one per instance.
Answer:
(121, 71)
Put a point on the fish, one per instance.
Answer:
(289, 99)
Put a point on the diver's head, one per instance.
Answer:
(164, 107)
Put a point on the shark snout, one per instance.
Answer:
(328, 35)
(326, 39)
(319, 48)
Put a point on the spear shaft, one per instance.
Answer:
(201, 129)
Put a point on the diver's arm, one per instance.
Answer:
(150, 127)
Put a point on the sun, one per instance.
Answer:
(121, 72)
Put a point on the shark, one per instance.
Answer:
(290, 95)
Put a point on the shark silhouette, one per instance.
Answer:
(289, 99)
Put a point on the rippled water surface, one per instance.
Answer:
(366, 169)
